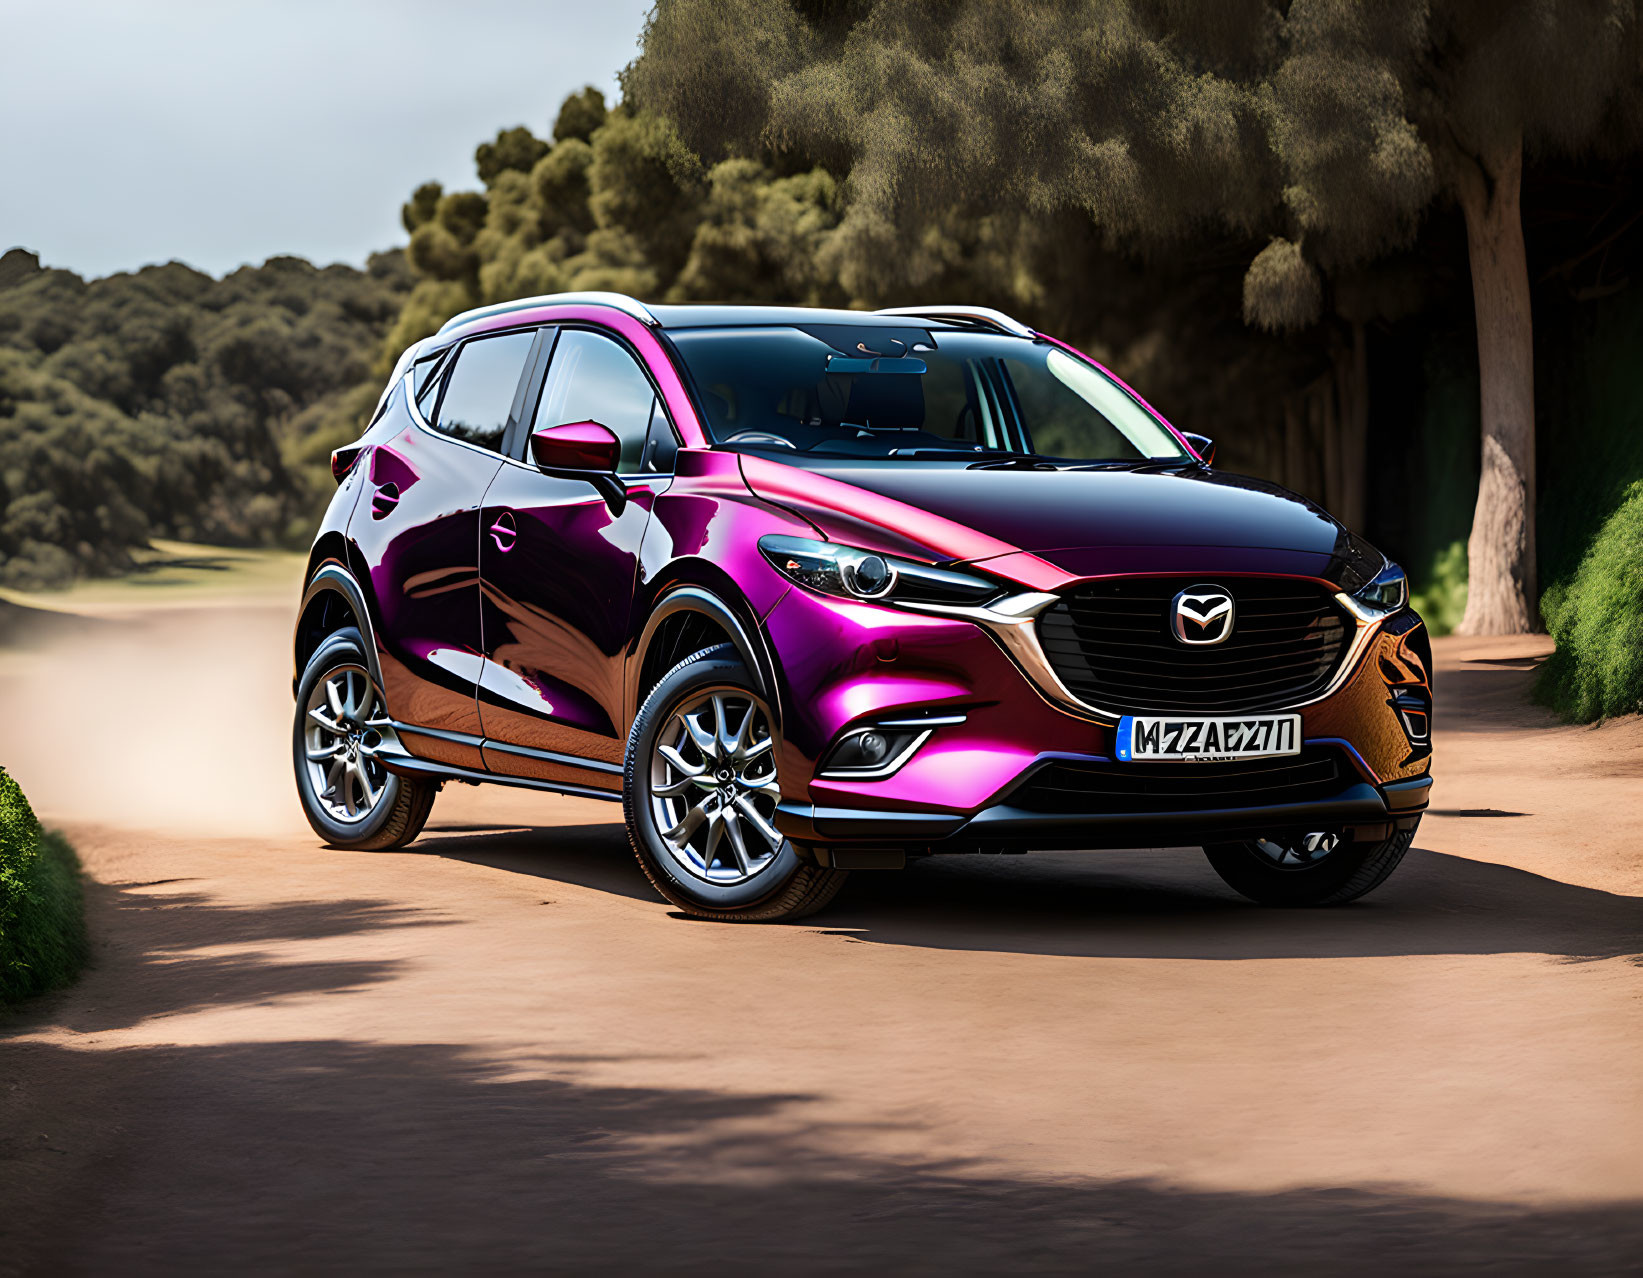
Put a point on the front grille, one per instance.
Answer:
(1316, 773)
(1111, 644)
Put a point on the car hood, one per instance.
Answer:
(1084, 522)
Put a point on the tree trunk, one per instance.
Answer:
(1501, 597)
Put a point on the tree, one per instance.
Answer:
(1329, 125)
(1376, 112)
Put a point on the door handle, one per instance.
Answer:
(384, 499)
(504, 531)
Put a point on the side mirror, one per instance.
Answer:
(576, 446)
(582, 450)
(1203, 445)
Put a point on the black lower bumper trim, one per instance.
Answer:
(1408, 796)
(810, 824)
(1358, 805)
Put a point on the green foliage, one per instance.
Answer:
(1589, 399)
(515, 150)
(420, 208)
(1282, 289)
(42, 927)
(617, 202)
(1329, 123)
(562, 190)
(16, 265)
(1597, 622)
(164, 403)
(579, 115)
(1439, 594)
(762, 239)
(1131, 115)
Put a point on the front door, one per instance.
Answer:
(559, 569)
(418, 527)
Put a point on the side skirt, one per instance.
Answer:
(407, 764)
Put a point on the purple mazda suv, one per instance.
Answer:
(810, 591)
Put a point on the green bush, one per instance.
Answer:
(1440, 593)
(42, 928)
(1597, 620)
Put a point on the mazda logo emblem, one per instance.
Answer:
(1202, 615)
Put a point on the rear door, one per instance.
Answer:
(559, 573)
(418, 527)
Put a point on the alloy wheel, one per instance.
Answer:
(713, 788)
(344, 729)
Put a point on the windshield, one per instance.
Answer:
(837, 390)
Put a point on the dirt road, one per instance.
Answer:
(496, 1050)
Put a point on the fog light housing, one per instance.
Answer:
(870, 751)
(1415, 714)
(879, 749)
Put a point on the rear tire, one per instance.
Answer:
(1350, 871)
(349, 798)
(702, 831)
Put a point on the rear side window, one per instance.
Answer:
(594, 379)
(420, 372)
(479, 389)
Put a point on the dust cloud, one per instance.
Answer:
(178, 719)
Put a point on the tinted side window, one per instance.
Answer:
(479, 388)
(593, 379)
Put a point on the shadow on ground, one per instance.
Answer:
(1165, 903)
(428, 1157)
(209, 954)
(335, 1156)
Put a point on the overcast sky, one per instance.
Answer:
(221, 132)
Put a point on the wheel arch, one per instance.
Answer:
(690, 615)
(332, 599)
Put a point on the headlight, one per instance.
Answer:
(1387, 593)
(865, 574)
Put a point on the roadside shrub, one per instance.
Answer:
(1441, 595)
(42, 927)
(1596, 619)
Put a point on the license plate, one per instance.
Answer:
(1255, 736)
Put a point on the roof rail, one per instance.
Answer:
(620, 301)
(974, 314)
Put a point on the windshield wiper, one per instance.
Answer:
(1139, 464)
(1014, 461)
(933, 454)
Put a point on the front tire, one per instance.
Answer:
(1273, 873)
(700, 793)
(351, 800)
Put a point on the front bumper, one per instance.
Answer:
(1361, 810)
(841, 665)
